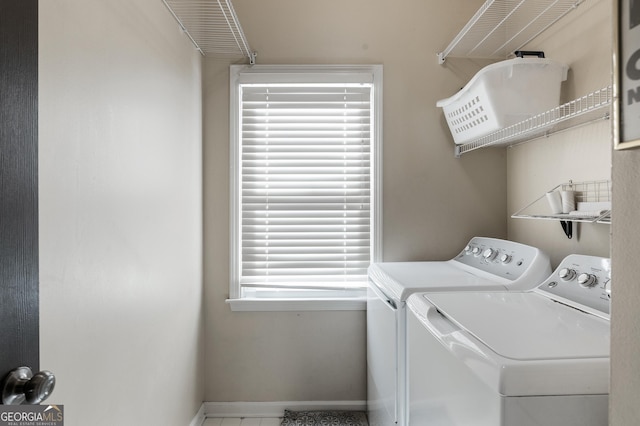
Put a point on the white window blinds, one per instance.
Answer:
(305, 182)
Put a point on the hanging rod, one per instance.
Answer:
(212, 26)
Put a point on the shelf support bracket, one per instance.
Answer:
(567, 227)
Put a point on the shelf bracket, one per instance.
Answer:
(567, 227)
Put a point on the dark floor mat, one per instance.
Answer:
(324, 418)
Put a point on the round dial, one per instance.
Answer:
(467, 249)
(476, 251)
(566, 274)
(607, 288)
(587, 280)
(505, 258)
(490, 254)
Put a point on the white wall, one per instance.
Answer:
(120, 213)
(433, 203)
(581, 40)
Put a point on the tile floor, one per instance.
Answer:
(247, 421)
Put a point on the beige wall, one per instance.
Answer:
(433, 203)
(120, 213)
(581, 40)
(624, 409)
(120, 204)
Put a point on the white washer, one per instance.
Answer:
(485, 264)
(536, 358)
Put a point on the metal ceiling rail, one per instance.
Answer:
(501, 27)
(212, 26)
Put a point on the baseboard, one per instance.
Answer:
(276, 409)
(200, 417)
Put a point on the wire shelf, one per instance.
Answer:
(593, 106)
(212, 26)
(585, 192)
(500, 27)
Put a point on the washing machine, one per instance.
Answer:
(535, 358)
(484, 264)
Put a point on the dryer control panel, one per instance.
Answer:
(583, 282)
(506, 259)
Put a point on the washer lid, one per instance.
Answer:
(526, 326)
(400, 279)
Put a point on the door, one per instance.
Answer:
(19, 339)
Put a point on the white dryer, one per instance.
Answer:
(485, 264)
(536, 358)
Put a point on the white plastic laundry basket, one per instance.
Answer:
(503, 94)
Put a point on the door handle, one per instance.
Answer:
(21, 386)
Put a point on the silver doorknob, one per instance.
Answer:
(21, 386)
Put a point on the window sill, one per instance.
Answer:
(283, 305)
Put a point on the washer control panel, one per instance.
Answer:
(506, 259)
(583, 282)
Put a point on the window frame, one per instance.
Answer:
(239, 74)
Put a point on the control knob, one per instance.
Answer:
(505, 258)
(467, 249)
(490, 254)
(587, 280)
(566, 274)
(476, 251)
(607, 288)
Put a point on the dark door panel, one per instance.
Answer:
(19, 339)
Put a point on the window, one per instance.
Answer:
(305, 184)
